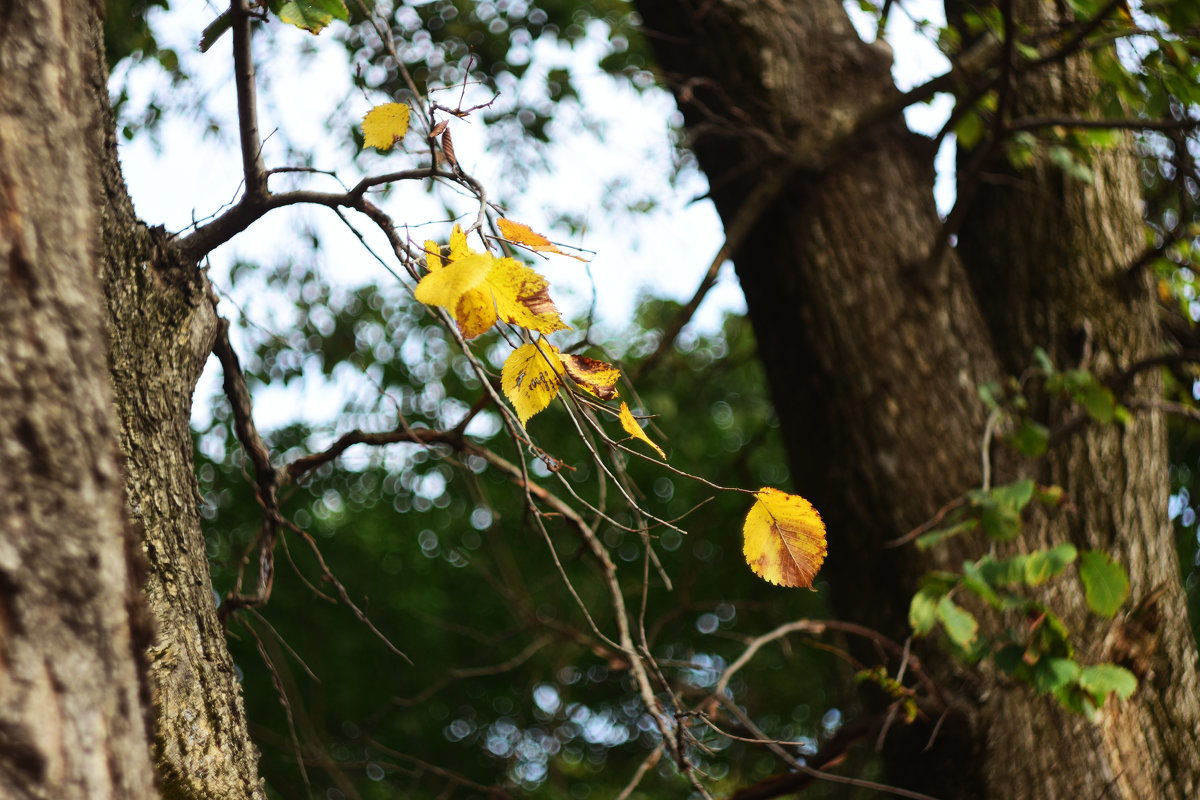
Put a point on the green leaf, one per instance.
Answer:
(1042, 359)
(1030, 438)
(1097, 399)
(1101, 679)
(1042, 565)
(313, 15)
(1064, 159)
(928, 540)
(974, 582)
(1105, 584)
(922, 612)
(1003, 571)
(990, 393)
(969, 129)
(1073, 698)
(1051, 673)
(1000, 509)
(960, 624)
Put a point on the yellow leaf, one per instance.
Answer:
(446, 286)
(594, 377)
(633, 429)
(433, 255)
(784, 538)
(521, 234)
(458, 244)
(531, 377)
(385, 125)
(478, 289)
(522, 297)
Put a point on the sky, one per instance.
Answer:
(187, 174)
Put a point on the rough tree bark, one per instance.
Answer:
(73, 710)
(82, 278)
(874, 341)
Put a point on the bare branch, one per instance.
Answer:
(254, 171)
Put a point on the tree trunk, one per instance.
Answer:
(76, 256)
(73, 710)
(875, 341)
(1049, 257)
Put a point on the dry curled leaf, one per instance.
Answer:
(784, 538)
(448, 149)
(519, 233)
(595, 377)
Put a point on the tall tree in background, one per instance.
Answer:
(876, 323)
(875, 336)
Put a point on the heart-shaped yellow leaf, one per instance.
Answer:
(784, 538)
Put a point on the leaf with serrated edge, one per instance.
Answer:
(522, 297)
(633, 429)
(519, 233)
(594, 377)
(531, 377)
(385, 125)
(783, 538)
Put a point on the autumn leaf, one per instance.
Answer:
(594, 377)
(385, 125)
(633, 429)
(521, 234)
(784, 538)
(531, 377)
(478, 288)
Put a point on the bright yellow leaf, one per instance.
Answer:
(531, 377)
(522, 297)
(784, 538)
(385, 125)
(458, 244)
(594, 377)
(433, 255)
(478, 288)
(519, 233)
(633, 429)
(446, 286)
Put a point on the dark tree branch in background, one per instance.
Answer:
(815, 152)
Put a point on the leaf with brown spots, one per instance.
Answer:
(784, 538)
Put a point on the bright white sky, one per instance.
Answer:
(664, 251)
